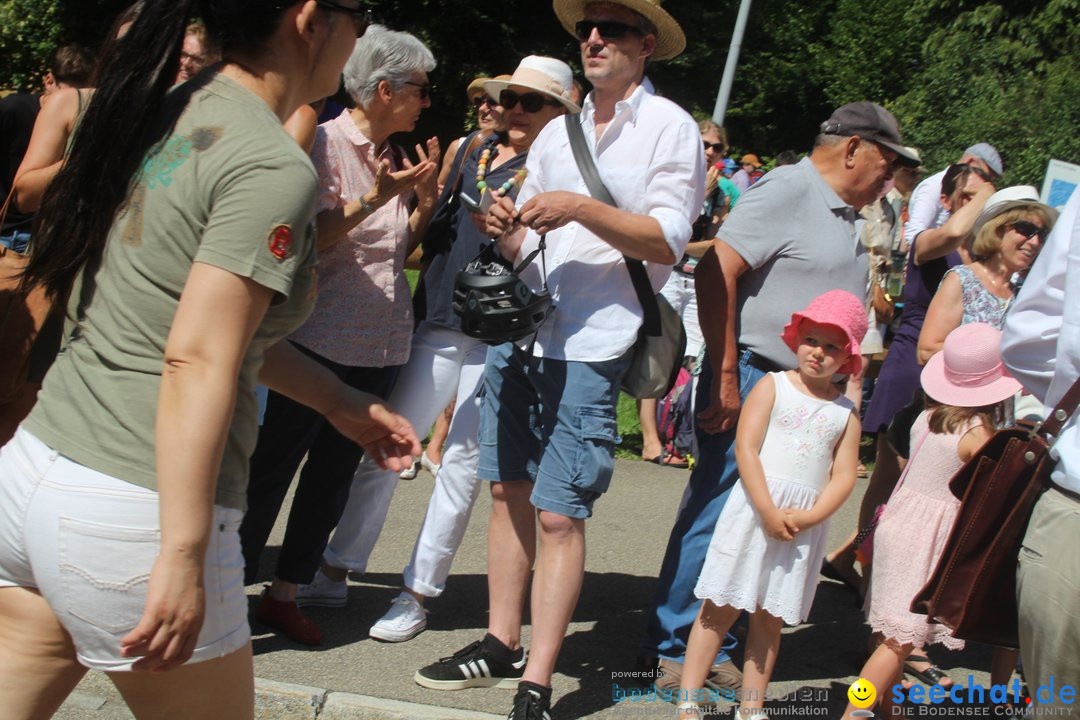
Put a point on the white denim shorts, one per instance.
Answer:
(87, 541)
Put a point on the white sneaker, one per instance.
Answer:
(429, 465)
(322, 592)
(405, 619)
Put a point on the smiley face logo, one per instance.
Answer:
(862, 693)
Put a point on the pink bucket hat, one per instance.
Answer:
(837, 308)
(968, 371)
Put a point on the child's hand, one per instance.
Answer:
(791, 523)
(796, 520)
(776, 525)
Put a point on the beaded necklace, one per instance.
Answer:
(482, 170)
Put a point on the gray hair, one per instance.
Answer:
(384, 54)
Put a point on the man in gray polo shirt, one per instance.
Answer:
(793, 236)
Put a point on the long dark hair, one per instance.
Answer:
(121, 124)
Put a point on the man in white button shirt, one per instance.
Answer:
(548, 427)
(1041, 347)
(925, 210)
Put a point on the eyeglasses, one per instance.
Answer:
(716, 147)
(482, 100)
(1030, 230)
(361, 16)
(423, 88)
(530, 102)
(608, 29)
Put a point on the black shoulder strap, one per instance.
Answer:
(587, 166)
(454, 181)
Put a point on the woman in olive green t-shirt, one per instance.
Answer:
(189, 215)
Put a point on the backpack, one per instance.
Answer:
(674, 419)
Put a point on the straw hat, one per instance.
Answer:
(545, 75)
(839, 309)
(968, 371)
(670, 40)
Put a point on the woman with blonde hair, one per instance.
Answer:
(1008, 235)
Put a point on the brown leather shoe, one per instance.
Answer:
(286, 618)
(722, 676)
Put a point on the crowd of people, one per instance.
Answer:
(236, 306)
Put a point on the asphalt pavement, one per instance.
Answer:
(353, 676)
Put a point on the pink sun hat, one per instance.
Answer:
(968, 371)
(837, 308)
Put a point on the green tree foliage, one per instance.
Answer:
(954, 72)
(29, 32)
(1008, 74)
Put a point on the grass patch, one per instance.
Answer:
(629, 428)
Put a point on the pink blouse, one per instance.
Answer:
(363, 315)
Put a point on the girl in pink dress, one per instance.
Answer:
(965, 385)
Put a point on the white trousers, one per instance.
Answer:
(444, 364)
(679, 291)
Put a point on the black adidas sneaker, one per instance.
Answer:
(532, 702)
(484, 663)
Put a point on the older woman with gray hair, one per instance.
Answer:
(362, 322)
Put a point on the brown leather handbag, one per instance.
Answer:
(22, 315)
(973, 588)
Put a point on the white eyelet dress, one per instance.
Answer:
(747, 569)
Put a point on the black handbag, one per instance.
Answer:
(661, 343)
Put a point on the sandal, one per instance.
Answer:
(932, 675)
(689, 711)
(666, 459)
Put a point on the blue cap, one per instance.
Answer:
(989, 155)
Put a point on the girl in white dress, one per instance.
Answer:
(797, 449)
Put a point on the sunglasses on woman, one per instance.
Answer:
(1030, 230)
(716, 147)
(530, 102)
(361, 16)
(481, 100)
(423, 89)
(608, 29)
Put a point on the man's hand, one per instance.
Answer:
(550, 211)
(724, 404)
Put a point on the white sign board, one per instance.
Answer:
(1061, 180)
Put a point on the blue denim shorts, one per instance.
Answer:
(552, 423)
(16, 240)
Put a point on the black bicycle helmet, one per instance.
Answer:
(494, 305)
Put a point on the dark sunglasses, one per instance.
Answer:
(361, 17)
(481, 101)
(424, 88)
(1030, 230)
(530, 102)
(716, 147)
(608, 29)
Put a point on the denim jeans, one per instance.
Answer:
(16, 240)
(715, 473)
